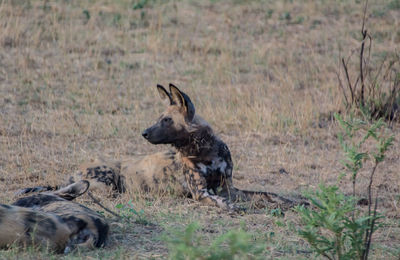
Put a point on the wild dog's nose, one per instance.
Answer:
(145, 134)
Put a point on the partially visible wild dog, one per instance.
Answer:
(52, 220)
(24, 226)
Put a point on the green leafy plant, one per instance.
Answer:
(235, 244)
(275, 212)
(140, 4)
(334, 226)
(128, 212)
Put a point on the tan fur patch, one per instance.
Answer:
(157, 172)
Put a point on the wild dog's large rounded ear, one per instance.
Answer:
(164, 95)
(73, 190)
(182, 100)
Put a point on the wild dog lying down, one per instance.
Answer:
(201, 165)
(52, 220)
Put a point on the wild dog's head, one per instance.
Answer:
(174, 124)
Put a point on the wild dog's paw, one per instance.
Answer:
(237, 209)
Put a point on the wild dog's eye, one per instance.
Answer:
(167, 120)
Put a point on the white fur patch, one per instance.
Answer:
(215, 166)
(202, 168)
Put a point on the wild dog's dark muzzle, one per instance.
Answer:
(146, 134)
(150, 134)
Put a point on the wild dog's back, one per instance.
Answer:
(87, 228)
(27, 227)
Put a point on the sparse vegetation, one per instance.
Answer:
(128, 212)
(336, 227)
(376, 87)
(77, 82)
(235, 244)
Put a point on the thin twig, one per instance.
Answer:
(103, 207)
(356, 84)
(344, 92)
(354, 196)
(327, 256)
(372, 230)
(348, 80)
(364, 34)
(370, 223)
(371, 179)
(376, 79)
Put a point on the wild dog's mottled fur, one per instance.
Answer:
(24, 226)
(52, 219)
(103, 175)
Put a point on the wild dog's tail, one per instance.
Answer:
(276, 198)
(36, 189)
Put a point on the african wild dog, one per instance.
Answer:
(205, 158)
(199, 166)
(52, 220)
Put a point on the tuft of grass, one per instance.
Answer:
(394, 4)
(235, 244)
(129, 212)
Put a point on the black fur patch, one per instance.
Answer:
(102, 230)
(35, 189)
(75, 223)
(38, 200)
(2, 213)
(34, 222)
(107, 176)
(5, 206)
(121, 185)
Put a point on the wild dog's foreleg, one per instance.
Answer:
(197, 186)
(204, 197)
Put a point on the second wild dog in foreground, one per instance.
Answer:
(53, 221)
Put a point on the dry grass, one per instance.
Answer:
(77, 80)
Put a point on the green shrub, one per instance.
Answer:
(235, 244)
(334, 226)
(128, 212)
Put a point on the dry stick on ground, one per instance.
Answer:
(103, 207)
